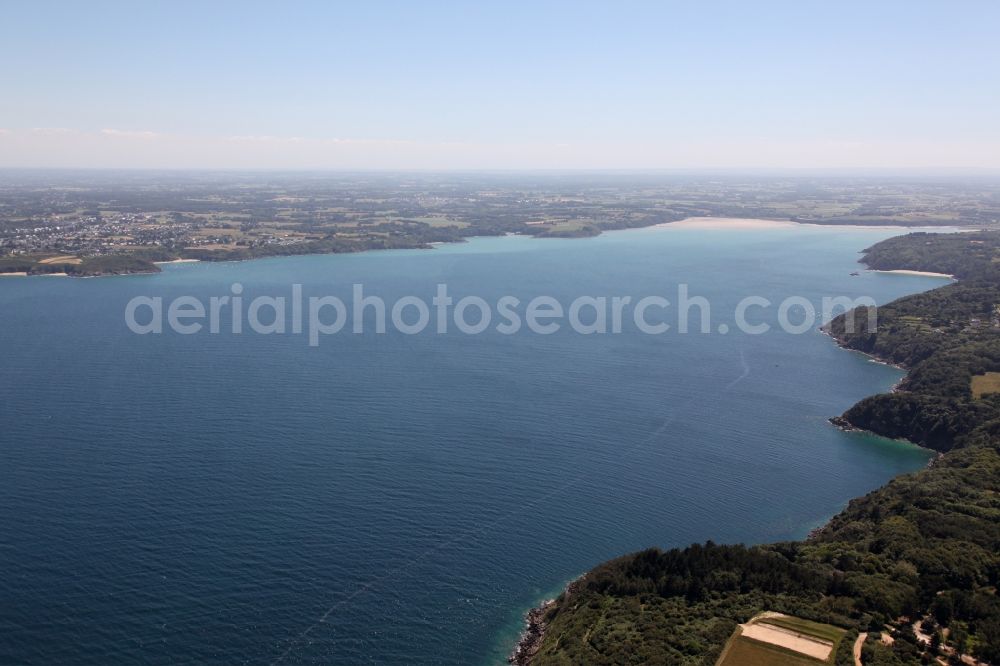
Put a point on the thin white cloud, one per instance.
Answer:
(133, 134)
(51, 130)
(256, 138)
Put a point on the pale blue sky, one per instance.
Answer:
(505, 85)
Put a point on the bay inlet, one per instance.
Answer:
(403, 498)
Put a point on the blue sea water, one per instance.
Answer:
(398, 499)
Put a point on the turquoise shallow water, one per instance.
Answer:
(399, 499)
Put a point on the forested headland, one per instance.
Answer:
(919, 556)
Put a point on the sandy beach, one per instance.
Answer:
(726, 223)
(750, 223)
(13, 275)
(923, 273)
(178, 261)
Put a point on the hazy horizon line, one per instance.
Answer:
(736, 170)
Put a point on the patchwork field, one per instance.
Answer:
(772, 639)
(985, 383)
(62, 259)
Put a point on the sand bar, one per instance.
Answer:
(923, 273)
(753, 223)
(727, 223)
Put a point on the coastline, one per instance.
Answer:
(689, 223)
(873, 358)
(840, 421)
(531, 638)
(842, 424)
(536, 620)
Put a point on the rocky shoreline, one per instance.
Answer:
(531, 638)
(841, 422)
(536, 621)
(872, 355)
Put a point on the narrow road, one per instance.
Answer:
(857, 648)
